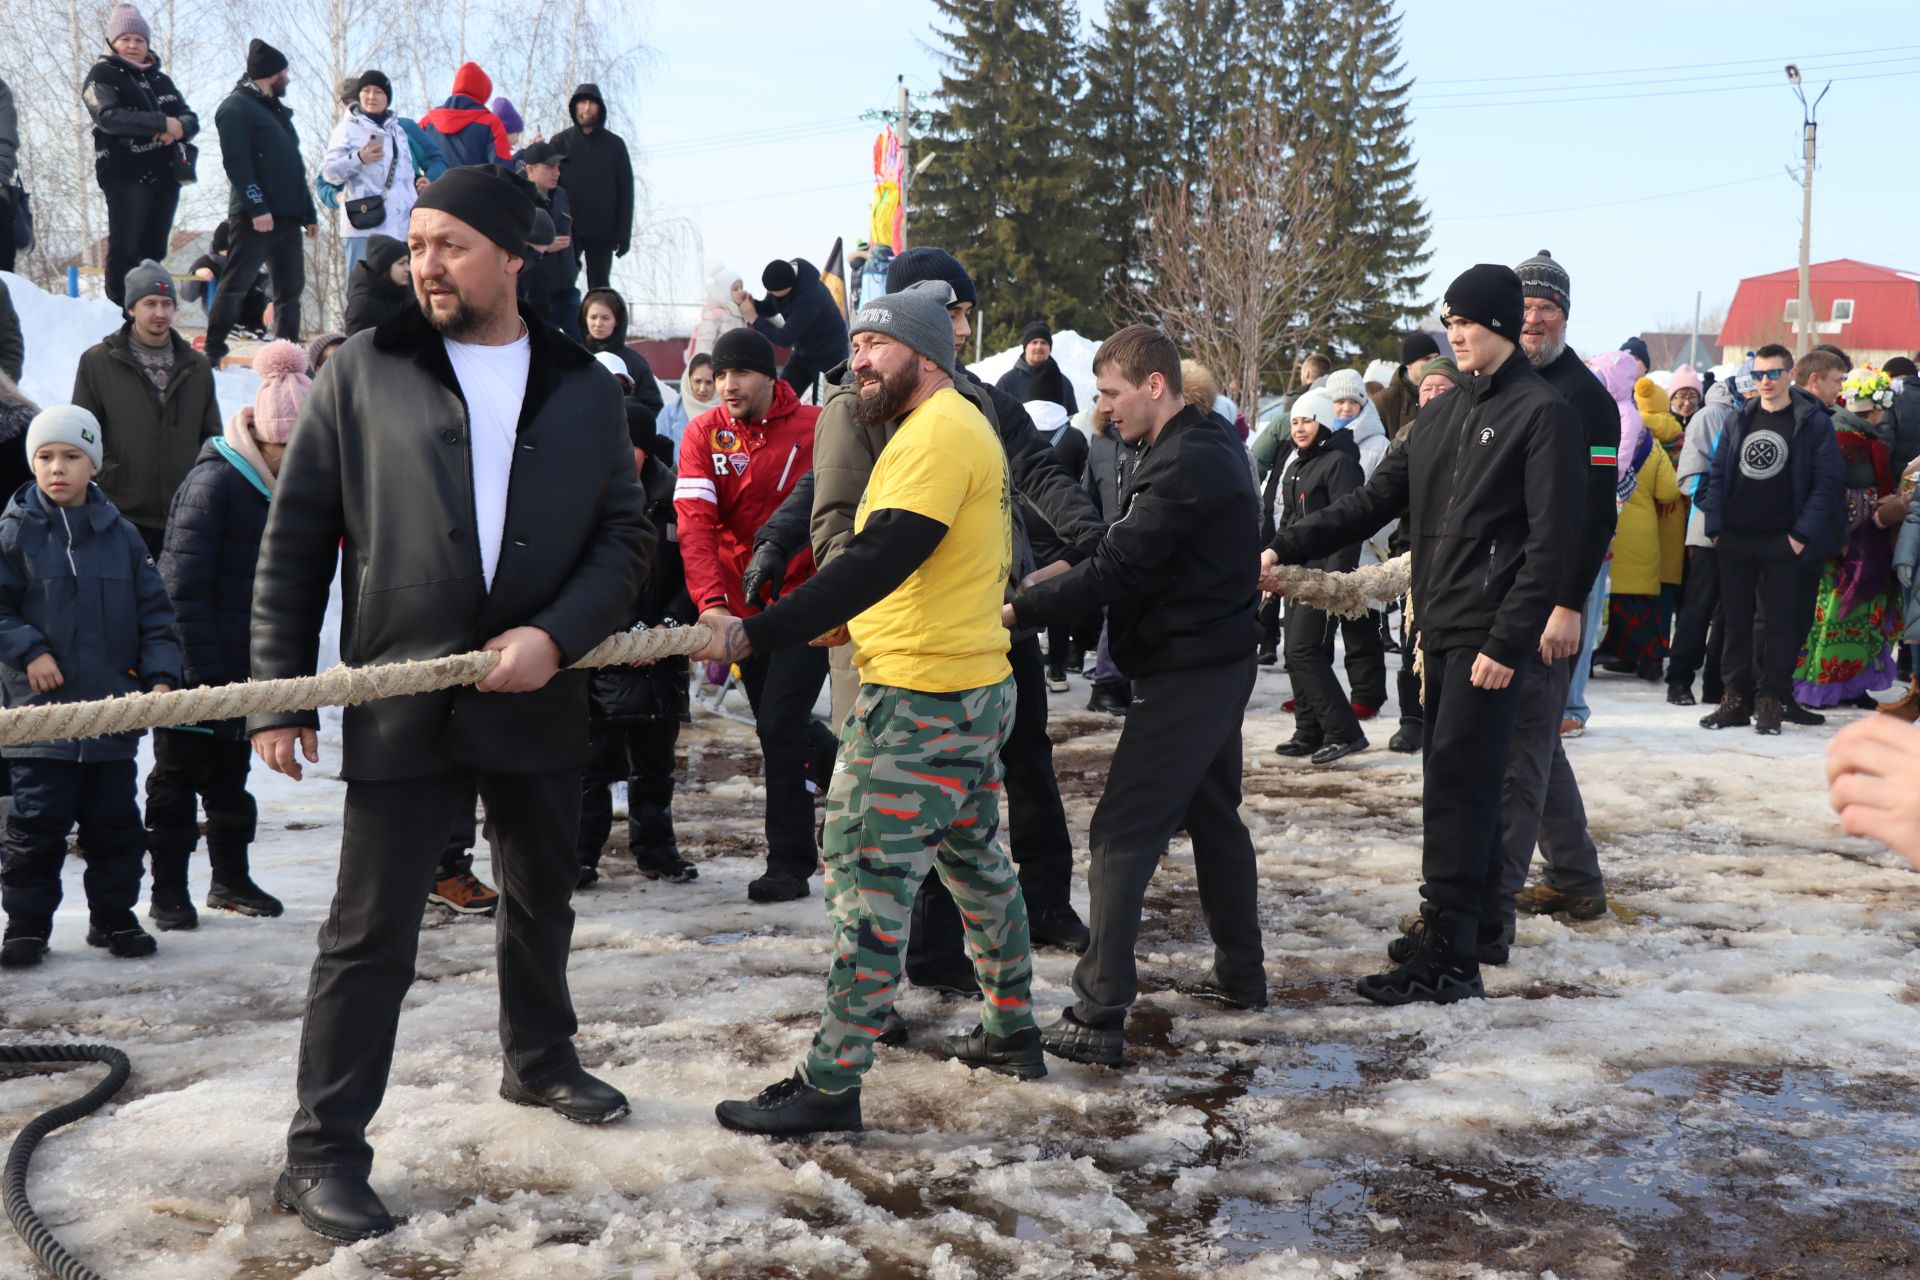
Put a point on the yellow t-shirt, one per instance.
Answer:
(941, 631)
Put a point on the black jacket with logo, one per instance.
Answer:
(1178, 572)
(260, 150)
(1599, 420)
(1490, 483)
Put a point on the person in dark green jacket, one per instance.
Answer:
(154, 397)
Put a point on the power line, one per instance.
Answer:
(1609, 204)
(1625, 97)
(1848, 55)
(780, 194)
(756, 137)
(1771, 74)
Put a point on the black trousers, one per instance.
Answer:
(801, 373)
(639, 753)
(1178, 759)
(597, 257)
(209, 769)
(1270, 623)
(389, 848)
(1699, 631)
(50, 798)
(1468, 743)
(139, 225)
(1366, 657)
(782, 688)
(1038, 838)
(1542, 805)
(1760, 584)
(1407, 680)
(283, 253)
(1321, 711)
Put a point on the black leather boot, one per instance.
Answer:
(574, 1094)
(341, 1208)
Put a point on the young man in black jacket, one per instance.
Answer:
(799, 313)
(1490, 485)
(598, 178)
(1542, 805)
(271, 203)
(1177, 576)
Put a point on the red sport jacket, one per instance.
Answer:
(732, 477)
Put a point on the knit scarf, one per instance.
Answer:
(238, 436)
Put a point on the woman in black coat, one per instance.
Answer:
(380, 284)
(1325, 467)
(603, 327)
(140, 121)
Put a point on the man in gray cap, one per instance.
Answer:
(917, 785)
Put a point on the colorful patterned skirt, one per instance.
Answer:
(1637, 631)
(1846, 655)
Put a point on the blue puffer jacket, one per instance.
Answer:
(76, 582)
(214, 527)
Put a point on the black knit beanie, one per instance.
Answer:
(486, 199)
(1417, 346)
(1487, 294)
(743, 349)
(1036, 329)
(779, 275)
(264, 61)
(918, 264)
(1542, 277)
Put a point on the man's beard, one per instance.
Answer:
(880, 407)
(458, 324)
(1549, 351)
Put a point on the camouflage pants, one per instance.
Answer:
(916, 789)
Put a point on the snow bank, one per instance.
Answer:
(58, 329)
(1073, 353)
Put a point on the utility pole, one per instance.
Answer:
(1693, 343)
(1803, 322)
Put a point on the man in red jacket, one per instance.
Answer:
(738, 461)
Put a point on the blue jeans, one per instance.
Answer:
(356, 250)
(1577, 707)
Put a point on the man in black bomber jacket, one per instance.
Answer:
(1490, 485)
(1177, 575)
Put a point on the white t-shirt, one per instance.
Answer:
(494, 381)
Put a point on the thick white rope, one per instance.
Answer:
(1348, 595)
(336, 687)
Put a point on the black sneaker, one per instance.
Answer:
(792, 1107)
(122, 936)
(171, 907)
(1768, 711)
(1268, 656)
(1407, 739)
(1493, 945)
(668, 865)
(589, 877)
(1651, 670)
(1433, 974)
(1075, 1041)
(1076, 660)
(1297, 748)
(1210, 989)
(1732, 713)
(1114, 699)
(240, 894)
(1793, 713)
(777, 886)
(1017, 1055)
(25, 945)
(952, 980)
(1056, 677)
(1059, 927)
(894, 1031)
(1680, 695)
(1340, 750)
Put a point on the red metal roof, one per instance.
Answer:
(1886, 307)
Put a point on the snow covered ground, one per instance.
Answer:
(1718, 1079)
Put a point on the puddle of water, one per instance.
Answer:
(1331, 1217)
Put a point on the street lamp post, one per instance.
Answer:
(1803, 318)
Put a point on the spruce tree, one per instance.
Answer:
(1127, 139)
(1198, 73)
(1336, 63)
(1007, 188)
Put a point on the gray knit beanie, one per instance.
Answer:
(66, 424)
(916, 316)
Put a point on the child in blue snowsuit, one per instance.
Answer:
(83, 615)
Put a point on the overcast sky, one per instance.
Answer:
(1645, 144)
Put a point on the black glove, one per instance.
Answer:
(766, 574)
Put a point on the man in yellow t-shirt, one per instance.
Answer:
(917, 785)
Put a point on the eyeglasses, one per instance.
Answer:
(1768, 375)
(1540, 311)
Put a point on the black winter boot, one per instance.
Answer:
(25, 944)
(121, 935)
(171, 906)
(238, 893)
(656, 850)
(1441, 970)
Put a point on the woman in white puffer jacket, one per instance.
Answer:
(369, 155)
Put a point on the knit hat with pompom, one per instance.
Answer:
(282, 366)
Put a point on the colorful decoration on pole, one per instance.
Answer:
(889, 173)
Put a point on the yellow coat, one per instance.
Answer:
(1639, 539)
(1667, 431)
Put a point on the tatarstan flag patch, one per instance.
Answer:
(1605, 455)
